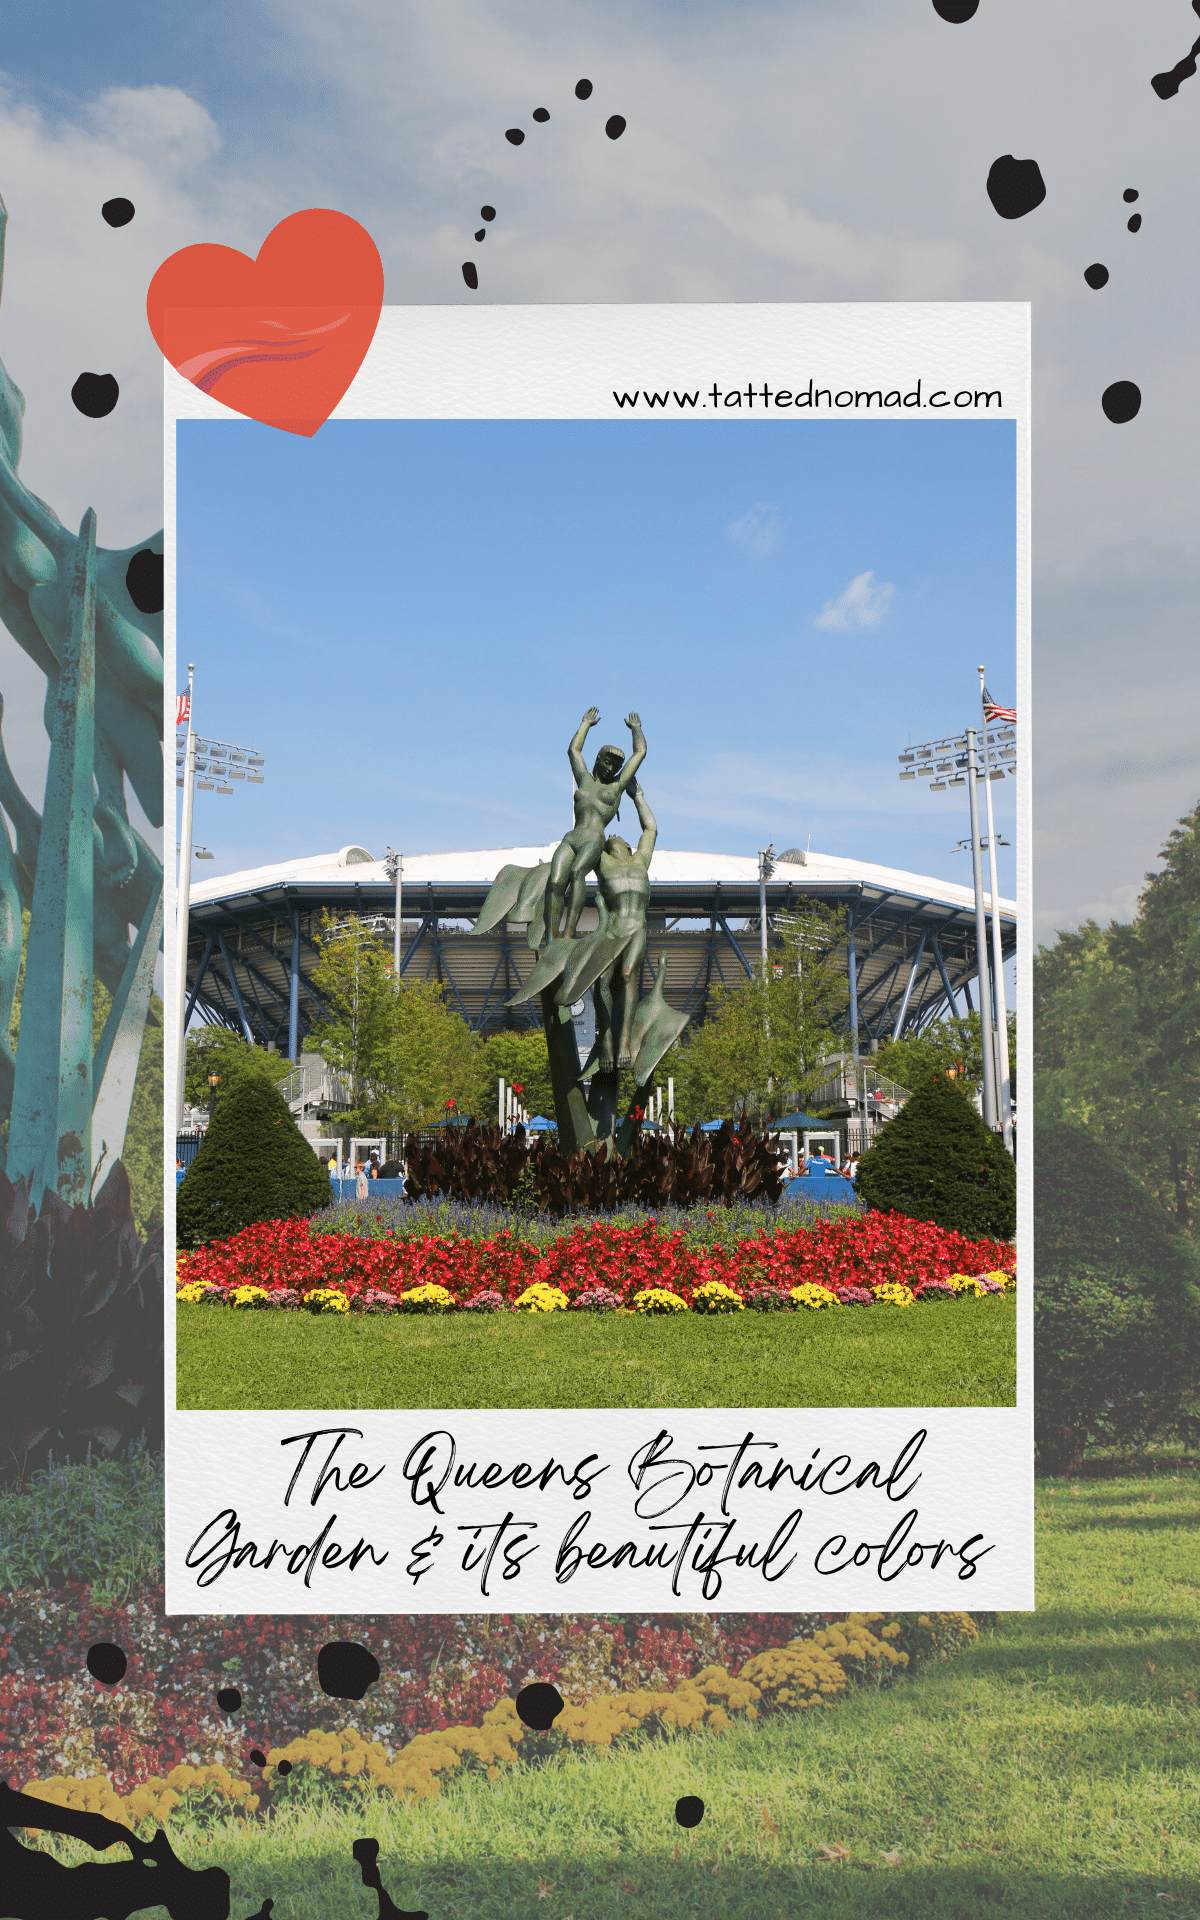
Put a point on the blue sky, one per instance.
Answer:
(409, 618)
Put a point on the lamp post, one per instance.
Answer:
(206, 765)
(988, 711)
(213, 1083)
(394, 862)
(958, 761)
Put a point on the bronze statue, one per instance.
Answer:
(630, 1033)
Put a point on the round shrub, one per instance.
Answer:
(937, 1161)
(253, 1164)
(486, 1301)
(427, 1299)
(810, 1295)
(597, 1300)
(541, 1298)
(658, 1300)
(326, 1300)
(1116, 1305)
(769, 1299)
(715, 1297)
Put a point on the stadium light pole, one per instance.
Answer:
(959, 757)
(198, 757)
(394, 862)
(1008, 713)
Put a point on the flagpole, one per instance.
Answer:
(990, 1114)
(997, 949)
(184, 902)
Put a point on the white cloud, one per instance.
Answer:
(757, 531)
(862, 605)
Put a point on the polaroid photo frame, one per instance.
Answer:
(598, 425)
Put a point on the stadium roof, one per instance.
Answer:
(252, 935)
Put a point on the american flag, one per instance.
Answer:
(992, 712)
(183, 709)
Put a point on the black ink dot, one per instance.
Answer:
(258, 1756)
(144, 579)
(1166, 85)
(229, 1699)
(471, 275)
(345, 1670)
(284, 1768)
(482, 234)
(487, 213)
(117, 212)
(95, 394)
(1130, 193)
(690, 1810)
(106, 1662)
(540, 114)
(1134, 222)
(615, 127)
(957, 12)
(1096, 275)
(583, 89)
(539, 1705)
(1015, 187)
(514, 135)
(1121, 401)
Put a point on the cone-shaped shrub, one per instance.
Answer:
(1116, 1305)
(937, 1161)
(253, 1164)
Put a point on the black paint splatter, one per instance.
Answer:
(541, 114)
(284, 1768)
(1096, 275)
(95, 394)
(539, 1705)
(515, 135)
(1166, 85)
(481, 233)
(345, 1670)
(487, 213)
(258, 1756)
(118, 212)
(583, 89)
(229, 1699)
(615, 126)
(106, 1662)
(1134, 222)
(689, 1811)
(1121, 401)
(39, 1887)
(1130, 193)
(1015, 187)
(144, 581)
(471, 274)
(957, 12)
(366, 1852)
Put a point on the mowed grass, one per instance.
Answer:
(959, 1355)
(1050, 1773)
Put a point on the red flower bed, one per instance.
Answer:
(835, 1253)
(437, 1671)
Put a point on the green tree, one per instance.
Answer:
(1116, 1304)
(221, 1051)
(252, 1164)
(404, 1052)
(955, 1041)
(761, 1046)
(1116, 1033)
(938, 1161)
(519, 1059)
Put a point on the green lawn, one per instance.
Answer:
(960, 1355)
(1050, 1773)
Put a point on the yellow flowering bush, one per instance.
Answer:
(248, 1297)
(326, 1300)
(193, 1788)
(541, 1297)
(715, 1297)
(812, 1673)
(193, 1292)
(941, 1635)
(429, 1298)
(892, 1294)
(658, 1300)
(1002, 1279)
(968, 1284)
(811, 1295)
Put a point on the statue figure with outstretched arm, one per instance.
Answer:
(623, 895)
(597, 797)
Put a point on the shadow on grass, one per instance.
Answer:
(969, 1881)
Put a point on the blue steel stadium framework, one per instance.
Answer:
(251, 952)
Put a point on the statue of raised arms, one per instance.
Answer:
(597, 797)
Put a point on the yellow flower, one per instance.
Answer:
(812, 1295)
(326, 1300)
(541, 1297)
(658, 1300)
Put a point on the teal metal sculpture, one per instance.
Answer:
(80, 869)
(631, 1033)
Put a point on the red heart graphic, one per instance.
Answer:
(279, 338)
